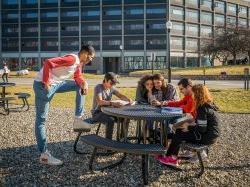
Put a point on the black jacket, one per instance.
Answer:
(207, 122)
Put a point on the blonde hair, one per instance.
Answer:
(201, 95)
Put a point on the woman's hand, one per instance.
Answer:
(156, 103)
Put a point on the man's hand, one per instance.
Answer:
(46, 86)
(84, 88)
(116, 104)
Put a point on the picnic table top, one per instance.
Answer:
(140, 112)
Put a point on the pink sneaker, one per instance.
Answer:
(169, 160)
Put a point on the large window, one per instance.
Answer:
(69, 44)
(29, 44)
(176, 43)
(90, 28)
(133, 27)
(69, 14)
(178, 28)
(49, 44)
(110, 28)
(156, 27)
(94, 41)
(156, 12)
(206, 18)
(69, 29)
(206, 4)
(156, 42)
(242, 22)
(112, 42)
(10, 30)
(134, 42)
(192, 62)
(134, 12)
(9, 4)
(192, 15)
(206, 31)
(29, 16)
(49, 15)
(112, 13)
(219, 6)
(243, 11)
(49, 29)
(231, 20)
(231, 8)
(192, 3)
(177, 61)
(89, 13)
(219, 19)
(29, 30)
(133, 62)
(9, 44)
(192, 44)
(177, 13)
(192, 30)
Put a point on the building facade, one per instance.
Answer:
(123, 32)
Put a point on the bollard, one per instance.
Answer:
(246, 78)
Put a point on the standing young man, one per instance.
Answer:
(52, 79)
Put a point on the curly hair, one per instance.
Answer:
(145, 78)
(201, 95)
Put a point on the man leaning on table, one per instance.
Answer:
(102, 97)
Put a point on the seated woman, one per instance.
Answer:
(205, 130)
(162, 91)
(145, 86)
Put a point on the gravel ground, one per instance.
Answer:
(228, 165)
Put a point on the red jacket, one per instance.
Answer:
(61, 68)
(187, 104)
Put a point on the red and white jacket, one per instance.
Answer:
(56, 70)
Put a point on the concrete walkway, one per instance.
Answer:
(132, 82)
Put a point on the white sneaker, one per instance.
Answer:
(195, 158)
(47, 158)
(82, 125)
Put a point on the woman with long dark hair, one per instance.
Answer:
(205, 130)
(144, 89)
(162, 91)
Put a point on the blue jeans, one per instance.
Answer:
(42, 100)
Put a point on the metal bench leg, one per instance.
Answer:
(145, 168)
(98, 129)
(28, 106)
(92, 159)
(201, 164)
(75, 144)
(114, 164)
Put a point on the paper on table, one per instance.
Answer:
(123, 103)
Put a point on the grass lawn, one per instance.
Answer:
(230, 70)
(228, 100)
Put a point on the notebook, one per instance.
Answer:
(171, 110)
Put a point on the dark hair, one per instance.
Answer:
(185, 82)
(161, 78)
(87, 48)
(144, 79)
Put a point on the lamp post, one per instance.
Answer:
(121, 65)
(169, 26)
